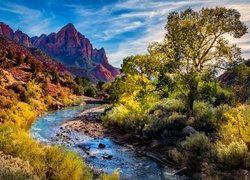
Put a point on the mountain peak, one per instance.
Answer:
(69, 26)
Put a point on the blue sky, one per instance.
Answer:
(122, 27)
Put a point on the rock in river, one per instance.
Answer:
(106, 156)
(101, 146)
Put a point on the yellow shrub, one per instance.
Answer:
(47, 162)
(34, 90)
(21, 114)
(237, 125)
(114, 176)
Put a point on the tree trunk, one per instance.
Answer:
(191, 98)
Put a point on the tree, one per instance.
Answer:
(55, 75)
(196, 45)
(140, 65)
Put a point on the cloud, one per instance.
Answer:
(154, 30)
(123, 27)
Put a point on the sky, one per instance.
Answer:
(122, 27)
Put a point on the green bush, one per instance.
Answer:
(195, 150)
(204, 119)
(233, 155)
(170, 106)
(166, 126)
(90, 91)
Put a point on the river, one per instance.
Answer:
(130, 164)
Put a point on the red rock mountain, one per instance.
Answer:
(17, 36)
(71, 48)
(75, 50)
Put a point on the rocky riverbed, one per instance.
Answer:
(80, 129)
(89, 123)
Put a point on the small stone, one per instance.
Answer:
(101, 146)
(155, 144)
(108, 157)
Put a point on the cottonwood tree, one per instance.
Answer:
(144, 65)
(197, 43)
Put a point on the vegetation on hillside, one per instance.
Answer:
(27, 89)
(173, 94)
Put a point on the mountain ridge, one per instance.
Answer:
(70, 47)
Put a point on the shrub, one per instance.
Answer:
(14, 168)
(47, 162)
(233, 155)
(204, 119)
(171, 105)
(34, 90)
(166, 126)
(90, 91)
(21, 114)
(236, 124)
(114, 176)
(195, 150)
(176, 156)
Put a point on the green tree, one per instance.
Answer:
(140, 65)
(196, 45)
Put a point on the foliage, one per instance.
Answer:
(213, 93)
(233, 155)
(236, 125)
(21, 114)
(114, 176)
(47, 162)
(90, 91)
(195, 46)
(204, 118)
(195, 149)
(167, 119)
(140, 65)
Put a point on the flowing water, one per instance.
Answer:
(130, 164)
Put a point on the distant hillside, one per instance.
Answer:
(19, 67)
(238, 80)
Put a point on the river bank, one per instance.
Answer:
(89, 123)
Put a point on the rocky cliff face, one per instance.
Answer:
(70, 48)
(17, 36)
(75, 50)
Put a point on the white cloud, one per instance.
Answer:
(155, 32)
(108, 22)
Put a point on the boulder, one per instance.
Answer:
(189, 130)
(101, 146)
(84, 147)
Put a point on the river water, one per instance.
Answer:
(130, 164)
